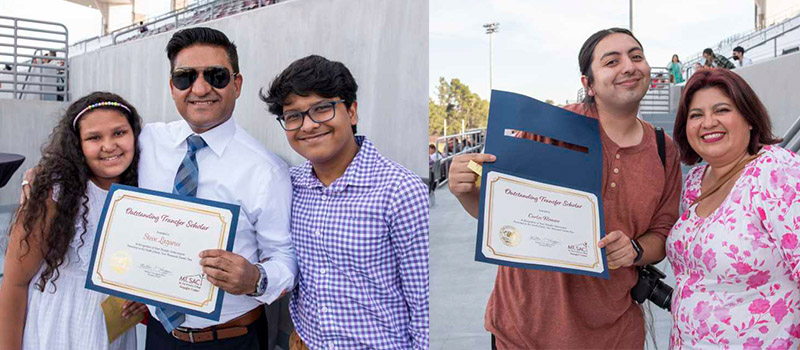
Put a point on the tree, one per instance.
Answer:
(436, 116)
(455, 102)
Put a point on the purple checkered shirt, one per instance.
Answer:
(362, 248)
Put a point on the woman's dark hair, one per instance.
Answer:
(743, 97)
(201, 35)
(63, 166)
(676, 56)
(312, 74)
(586, 56)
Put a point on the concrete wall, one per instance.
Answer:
(24, 128)
(777, 82)
(384, 43)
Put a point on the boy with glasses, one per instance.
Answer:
(359, 221)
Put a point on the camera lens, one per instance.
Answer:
(661, 295)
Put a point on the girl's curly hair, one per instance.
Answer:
(63, 166)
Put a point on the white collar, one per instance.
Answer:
(217, 138)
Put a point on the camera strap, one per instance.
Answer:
(660, 143)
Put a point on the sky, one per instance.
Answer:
(81, 22)
(535, 53)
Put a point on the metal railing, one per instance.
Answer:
(659, 95)
(196, 13)
(774, 40)
(762, 37)
(30, 63)
(791, 141)
(471, 141)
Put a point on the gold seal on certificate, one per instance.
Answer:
(147, 248)
(509, 235)
(530, 222)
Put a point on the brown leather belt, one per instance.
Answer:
(234, 328)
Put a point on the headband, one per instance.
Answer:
(98, 105)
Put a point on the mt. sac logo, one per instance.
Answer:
(191, 282)
(580, 249)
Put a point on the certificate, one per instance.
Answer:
(540, 201)
(147, 246)
(532, 222)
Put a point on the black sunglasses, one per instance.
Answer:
(217, 77)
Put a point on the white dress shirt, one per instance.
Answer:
(743, 63)
(236, 169)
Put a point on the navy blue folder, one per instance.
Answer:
(542, 162)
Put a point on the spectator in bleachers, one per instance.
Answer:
(433, 153)
(6, 70)
(735, 250)
(738, 56)
(60, 79)
(45, 60)
(50, 78)
(719, 61)
(675, 70)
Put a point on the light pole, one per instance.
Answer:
(630, 14)
(491, 28)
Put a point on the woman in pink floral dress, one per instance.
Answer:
(734, 250)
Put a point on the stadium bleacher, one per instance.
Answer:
(192, 15)
(778, 39)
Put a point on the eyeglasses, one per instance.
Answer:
(217, 77)
(319, 113)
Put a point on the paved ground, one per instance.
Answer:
(460, 287)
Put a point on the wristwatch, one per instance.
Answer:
(261, 284)
(639, 251)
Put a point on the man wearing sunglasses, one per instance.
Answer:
(359, 221)
(209, 156)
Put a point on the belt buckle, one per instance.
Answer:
(186, 330)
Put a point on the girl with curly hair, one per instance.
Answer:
(43, 302)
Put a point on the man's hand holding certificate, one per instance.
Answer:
(148, 249)
(540, 202)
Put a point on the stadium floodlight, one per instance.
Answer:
(491, 28)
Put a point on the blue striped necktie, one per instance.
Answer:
(186, 181)
(187, 177)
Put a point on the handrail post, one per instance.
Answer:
(36, 59)
(15, 59)
(791, 133)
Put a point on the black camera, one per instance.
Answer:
(650, 287)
